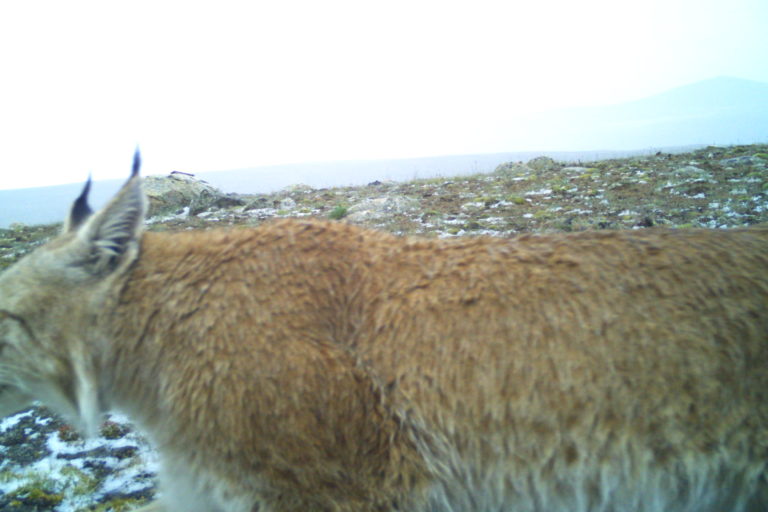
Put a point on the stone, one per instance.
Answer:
(176, 191)
(692, 173)
(742, 160)
(513, 169)
(542, 163)
(299, 188)
(380, 207)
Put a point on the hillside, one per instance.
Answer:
(715, 187)
(46, 466)
(721, 110)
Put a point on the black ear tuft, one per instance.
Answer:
(112, 235)
(80, 210)
(136, 162)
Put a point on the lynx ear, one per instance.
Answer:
(80, 210)
(110, 237)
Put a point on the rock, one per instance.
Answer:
(178, 190)
(743, 160)
(376, 208)
(692, 173)
(299, 188)
(287, 204)
(259, 202)
(513, 169)
(542, 163)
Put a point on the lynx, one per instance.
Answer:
(317, 366)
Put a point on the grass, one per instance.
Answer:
(339, 212)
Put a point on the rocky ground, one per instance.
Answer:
(45, 465)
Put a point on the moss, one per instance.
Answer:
(79, 482)
(8, 476)
(36, 496)
(112, 430)
(588, 174)
(339, 212)
(68, 434)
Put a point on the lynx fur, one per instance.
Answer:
(318, 366)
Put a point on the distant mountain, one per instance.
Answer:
(719, 111)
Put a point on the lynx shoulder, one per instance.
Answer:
(318, 366)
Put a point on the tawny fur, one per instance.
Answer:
(317, 366)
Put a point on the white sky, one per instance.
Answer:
(220, 85)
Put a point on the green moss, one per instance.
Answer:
(8, 476)
(338, 212)
(590, 173)
(35, 496)
(68, 434)
(112, 430)
(79, 482)
(518, 200)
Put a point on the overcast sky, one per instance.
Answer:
(220, 85)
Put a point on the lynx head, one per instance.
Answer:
(49, 301)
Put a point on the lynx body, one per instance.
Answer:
(318, 366)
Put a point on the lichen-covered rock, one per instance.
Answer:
(513, 169)
(745, 160)
(542, 163)
(299, 188)
(691, 172)
(380, 207)
(167, 194)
